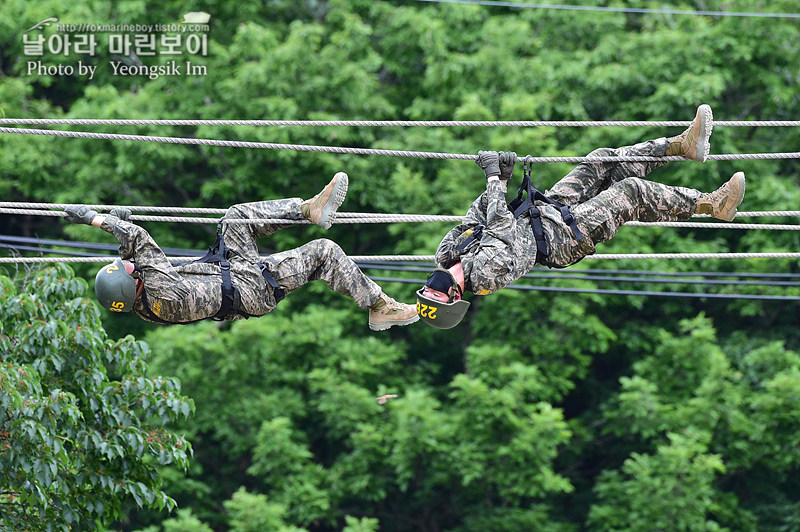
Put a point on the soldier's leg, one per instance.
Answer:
(633, 199)
(588, 179)
(321, 210)
(241, 237)
(600, 218)
(324, 260)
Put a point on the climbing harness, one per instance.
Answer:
(220, 254)
(519, 207)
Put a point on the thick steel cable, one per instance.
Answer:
(430, 258)
(374, 151)
(399, 218)
(394, 123)
(16, 205)
(368, 218)
(716, 225)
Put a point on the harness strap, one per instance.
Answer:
(519, 207)
(219, 253)
(277, 291)
(476, 233)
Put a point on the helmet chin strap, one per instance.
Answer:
(455, 292)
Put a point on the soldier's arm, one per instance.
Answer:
(135, 243)
(491, 264)
(499, 220)
(446, 254)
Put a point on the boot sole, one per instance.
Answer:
(328, 215)
(388, 324)
(739, 176)
(706, 126)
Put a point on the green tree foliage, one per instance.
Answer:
(541, 411)
(82, 428)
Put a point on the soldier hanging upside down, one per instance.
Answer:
(497, 243)
(232, 282)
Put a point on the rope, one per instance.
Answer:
(356, 218)
(373, 151)
(430, 258)
(606, 256)
(364, 218)
(17, 205)
(717, 225)
(395, 123)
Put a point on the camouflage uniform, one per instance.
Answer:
(194, 291)
(602, 197)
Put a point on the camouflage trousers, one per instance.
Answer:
(320, 259)
(604, 195)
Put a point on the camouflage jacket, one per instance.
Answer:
(507, 249)
(180, 294)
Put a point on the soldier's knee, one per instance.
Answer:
(632, 186)
(602, 152)
(329, 248)
(236, 211)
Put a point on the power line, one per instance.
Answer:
(598, 277)
(12, 242)
(612, 292)
(644, 11)
(571, 270)
(638, 276)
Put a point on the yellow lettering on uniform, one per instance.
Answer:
(432, 312)
(483, 292)
(157, 308)
(112, 268)
(117, 306)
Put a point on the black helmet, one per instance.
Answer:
(436, 313)
(115, 288)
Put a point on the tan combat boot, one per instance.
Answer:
(386, 312)
(693, 143)
(321, 209)
(722, 202)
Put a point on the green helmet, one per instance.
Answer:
(436, 313)
(115, 288)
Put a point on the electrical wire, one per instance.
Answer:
(632, 10)
(597, 276)
(420, 282)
